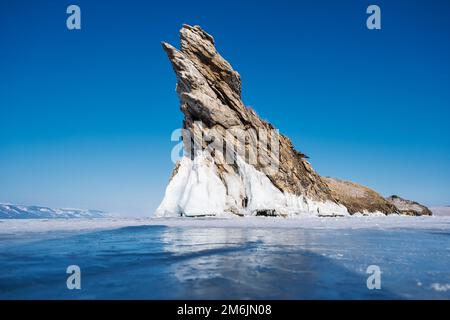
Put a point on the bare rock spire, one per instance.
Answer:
(210, 92)
(221, 127)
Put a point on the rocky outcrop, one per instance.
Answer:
(266, 174)
(408, 207)
(210, 91)
(235, 162)
(358, 198)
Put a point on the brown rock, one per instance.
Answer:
(358, 198)
(210, 91)
(409, 207)
(216, 119)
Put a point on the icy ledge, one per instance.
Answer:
(197, 190)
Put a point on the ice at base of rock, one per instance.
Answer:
(197, 190)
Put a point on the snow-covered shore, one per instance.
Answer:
(21, 226)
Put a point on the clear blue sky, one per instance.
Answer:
(86, 116)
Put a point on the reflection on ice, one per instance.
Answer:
(232, 262)
(264, 263)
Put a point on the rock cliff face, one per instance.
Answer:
(408, 207)
(234, 162)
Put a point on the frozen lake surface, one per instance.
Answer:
(248, 258)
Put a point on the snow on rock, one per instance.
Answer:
(197, 190)
(262, 195)
(268, 179)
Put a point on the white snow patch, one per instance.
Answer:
(195, 190)
(19, 226)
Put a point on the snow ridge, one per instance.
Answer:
(12, 211)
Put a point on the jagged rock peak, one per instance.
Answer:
(204, 182)
(199, 47)
(210, 92)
